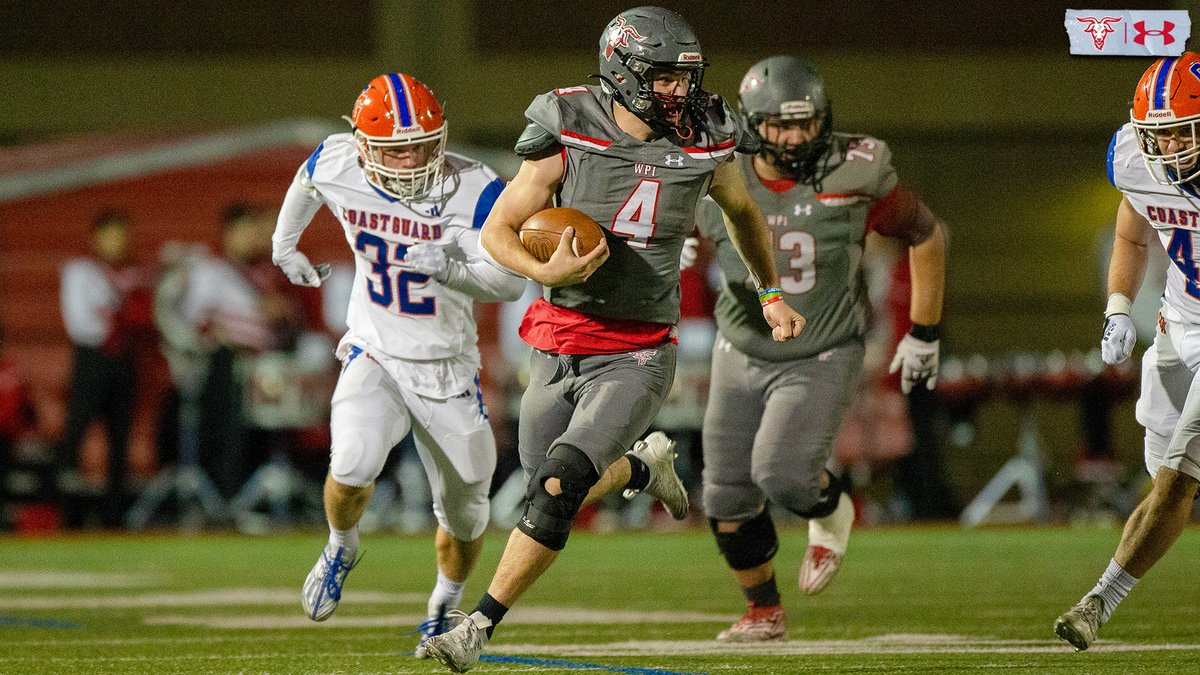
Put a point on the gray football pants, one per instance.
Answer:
(769, 428)
(600, 404)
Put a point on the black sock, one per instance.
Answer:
(639, 473)
(765, 594)
(493, 610)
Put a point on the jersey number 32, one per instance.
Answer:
(375, 249)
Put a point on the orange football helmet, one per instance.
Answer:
(398, 111)
(1167, 101)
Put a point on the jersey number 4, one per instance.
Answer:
(1180, 250)
(380, 290)
(635, 219)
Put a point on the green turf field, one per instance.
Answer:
(908, 600)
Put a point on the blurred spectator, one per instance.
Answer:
(1096, 461)
(240, 306)
(107, 308)
(16, 414)
(920, 474)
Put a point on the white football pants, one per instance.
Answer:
(371, 413)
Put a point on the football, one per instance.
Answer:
(540, 234)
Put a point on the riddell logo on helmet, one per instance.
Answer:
(690, 57)
(1160, 114)
(796, 109)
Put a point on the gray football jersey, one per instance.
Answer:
(818, 244)
(644, 194)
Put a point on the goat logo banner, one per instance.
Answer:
(1126, 32)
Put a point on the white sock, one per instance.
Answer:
(445, 592)
(1113, 586)
(347, 539)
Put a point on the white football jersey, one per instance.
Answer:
(1173, 211)
(398, 312)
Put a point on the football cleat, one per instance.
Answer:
(459, 648)
(434, 625)
(323, 587)
(827, 541)
(658, 452)
(1081, 623)
(760, 624)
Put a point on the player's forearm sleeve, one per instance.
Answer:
(300, 204)
(480, 277)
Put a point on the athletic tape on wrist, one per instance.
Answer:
(1118, 304)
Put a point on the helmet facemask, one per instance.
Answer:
(665, 113)
(1174, 168)
(801, 161)
(1165, 111)
(396, 113)
(405, 184)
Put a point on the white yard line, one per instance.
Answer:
(209, 598)
(403, 663)
(529, 615)
(45, 579)
(883, 644)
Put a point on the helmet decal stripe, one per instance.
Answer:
(1162, 82)
(401, 99)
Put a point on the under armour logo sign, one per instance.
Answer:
(644, 356)
(1099, 28)
(803, 209)
(1164, 33)
(673, 160)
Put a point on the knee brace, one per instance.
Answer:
(827, 503)
(751, 545)
(547, 518)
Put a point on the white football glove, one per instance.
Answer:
(691, 250)
(1119, 335)
(917, 360)
(427, 258)
(299, 270)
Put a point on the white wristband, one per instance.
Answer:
(1118, 304)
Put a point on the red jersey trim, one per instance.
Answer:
(559, 330)
(586, 141)
(777, 186)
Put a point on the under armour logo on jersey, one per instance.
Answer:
(644, 356)
(803, 209)
(673, 160)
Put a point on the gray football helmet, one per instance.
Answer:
(642, 39)
(782, 88)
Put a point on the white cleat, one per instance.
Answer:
(323, 587)
(760, 624)
(828, 538)
(1081, 623)
(459, 648)
(658, 452)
